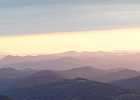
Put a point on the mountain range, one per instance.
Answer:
(70, 76)
(8, 76)
(75, 89)
(72, 59)
(73, 84)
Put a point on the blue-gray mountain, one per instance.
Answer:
(131, 83)
(54, 85)
(76, 89)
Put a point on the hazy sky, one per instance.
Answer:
(82, 25)
(45, 16)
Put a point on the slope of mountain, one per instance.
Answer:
(75, 89)
(11, 73)
(8, 76)
(100, 75)
(119, 75)
(39, 78)
(132, 83)
(84, 72)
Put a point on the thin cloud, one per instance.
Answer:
(19, 17)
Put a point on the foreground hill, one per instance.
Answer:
(75, 89)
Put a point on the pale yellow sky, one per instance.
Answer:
(103, 40)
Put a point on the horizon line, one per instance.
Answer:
(73, 51)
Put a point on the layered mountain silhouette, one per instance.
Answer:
(75, 89)
(64, 85)
(12, 77)
(71, 76)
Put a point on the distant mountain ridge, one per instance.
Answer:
(72, 59)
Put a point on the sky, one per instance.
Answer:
(47, 26)
(48, 16)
